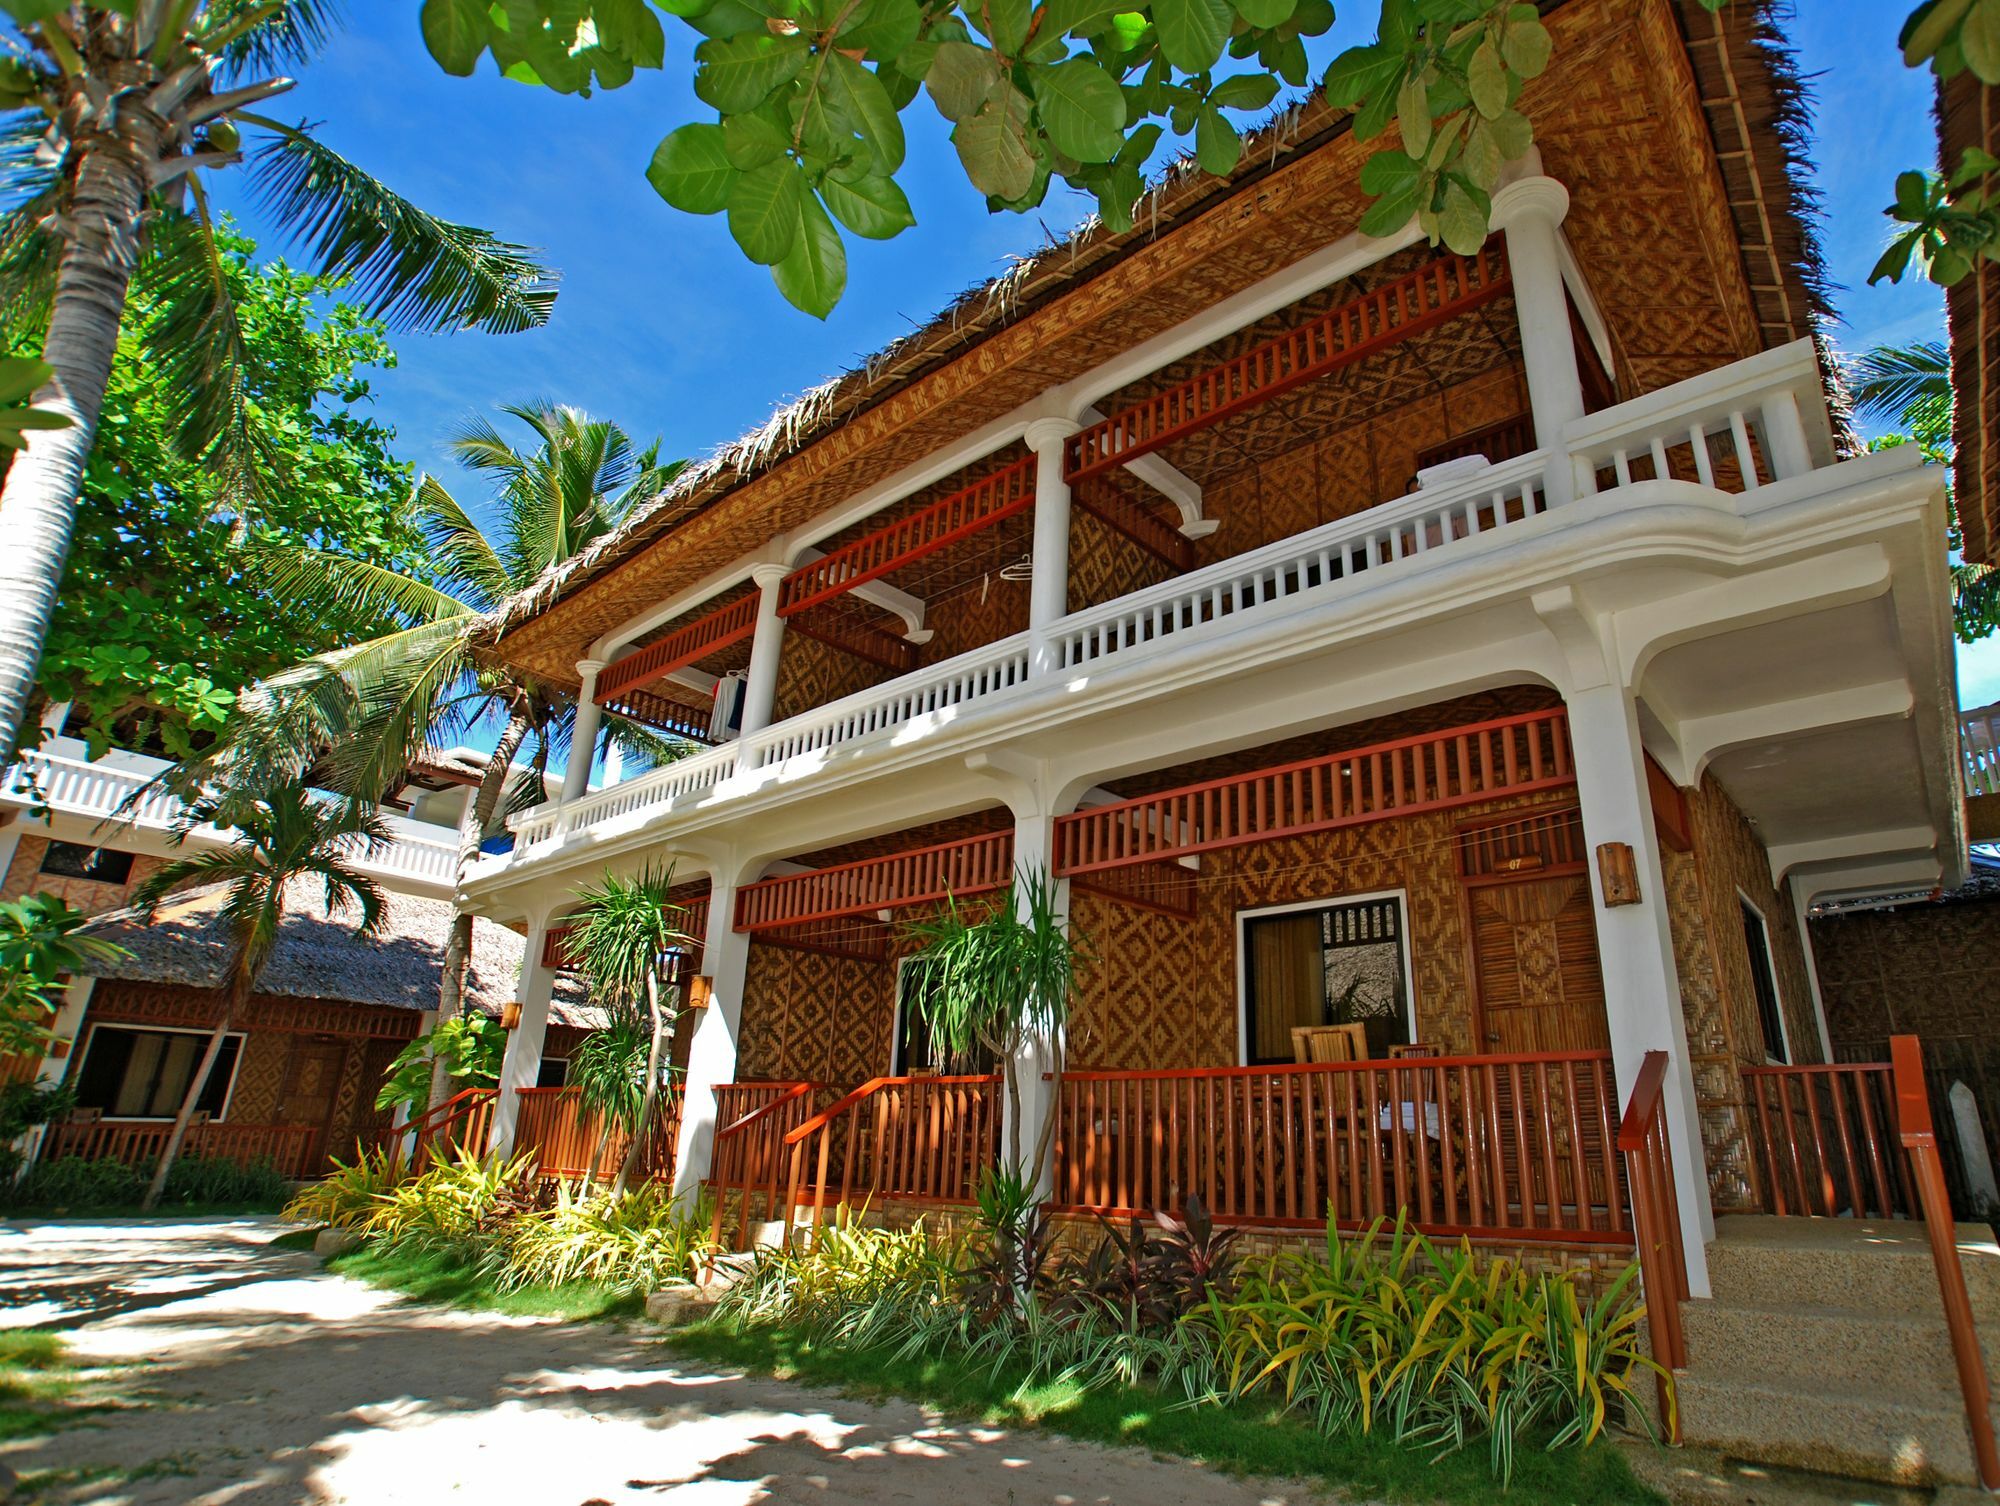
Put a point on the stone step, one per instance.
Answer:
(1871, 1431)
(1798, 1342)
(1864, 1265)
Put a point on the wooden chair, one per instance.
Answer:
(1414, 1049)
(1315, 1044)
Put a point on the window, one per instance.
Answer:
(1764, 981)
(915, 1051)
(143, 1074)
(553, 1072)
(1334, 964)
(99, 864)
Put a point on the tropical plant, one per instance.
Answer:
(349, 1195)
(20, 379)
(112, 115)
(285, 834)
(453, 1208)
(80, 1184)
(40, 944)
(1910, 386)
(608, 1072)
(999, 980)
(623, 936)
(361, 716)
(467, 1049)
(636, 1241)
(23, 1105)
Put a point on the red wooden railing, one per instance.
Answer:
(749, 1155)
(1516, 1146)
(1919, 1139)
(965, 512)
(973, 865)
(698, 639)
(1441, 769)
(1656, 1221)
(1439, 290)
(678, 716)
(563, 1138)
(288, 1147)
(462, 1122)
(914, 1139)
(1827, 1137)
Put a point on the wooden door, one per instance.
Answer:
(1539, 985)
(312, 1081)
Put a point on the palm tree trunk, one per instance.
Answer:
(239, 993)
(458, 945)
(43, 489)
(650, 1100)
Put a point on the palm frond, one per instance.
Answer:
(460, 547)
(412, 269)
(29, 193)
(401, 697)
(255, 36)
(1889, 380)
(321, 578)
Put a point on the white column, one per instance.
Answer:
(760, 682)
(1530, 213)
(583, 739)
(1034, 853)
(522, 1063)
(68, 1027)
(725, 962)
(1048, 591)
(10, 843)
(1642, 993)
(1797, 895)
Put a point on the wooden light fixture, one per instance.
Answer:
(701, 988)
(510, 1015)
(1618, 872)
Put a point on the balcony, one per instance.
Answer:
(1733, 442)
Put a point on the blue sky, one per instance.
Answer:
(663, 325)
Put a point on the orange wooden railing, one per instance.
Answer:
(965, 512)
(1656, 1221)
(463, 1122)
(1439, 290)
(913, 1139)
(1827, 1141)
(973, 865)
(563, 1138)
(677, 715)
(1919, 1139)
(1441, 769)
(749, 1155)
(707, 633)
(1517, 1146)
(285, 1146)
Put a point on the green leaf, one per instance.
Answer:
(872, 207)
(1391, 173)
(1217, 147)
(993, 145)
(455, 33)
(1359, 73)
(1413, 115)
(1244, 91)
(1081, 18)
(1513, 133)
(961, 77)
(628, 30)
(20, 376)
(1896, 259)
(691, 169)
(752, 140)
(1082, 109)
(764, 211)
(862, 99)
(1191, 32)
(1980, 37)
(1005, 22)
(740, 73)
(1482, 160)
(1928, 28)
(814, 274)
(1486, 80)
(882, 28)
(1462, 220)
(1912, 195)
(1525, 46)
(1265, 13)
(28, 12)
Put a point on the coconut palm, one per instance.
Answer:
(283, 833)
(625, 939)
(362, 716)
(112, 114)
(1909, 386)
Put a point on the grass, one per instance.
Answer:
(442, 1279)
(37, 1383)
(1245, 1439)
(89, 1214)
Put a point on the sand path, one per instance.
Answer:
(274, 1382)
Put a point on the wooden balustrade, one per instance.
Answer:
(1656, 1223)
(682, 715)
(727, 624)
(1511, 1146)
(566, 1141)
(1979, 747)
(749, 1156)
(974, 865)
(1440, 289)
(1918, 1135)
(463, 1122)
(1458, 767)
(913, 1139)
(288, 1147)
(966, 511)
(1827, 1141)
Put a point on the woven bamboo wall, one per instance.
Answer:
(24, 876)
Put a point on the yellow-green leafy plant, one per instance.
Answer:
(349, 1195)
(451, 1207)
(850, 1282)
(637, 1241)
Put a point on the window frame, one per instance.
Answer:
(241, 1037)
(42, 869)
(1325, 902)
(1750, 910)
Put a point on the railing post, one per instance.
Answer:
(1048, 591)
(522, 1063)
(1785, 436)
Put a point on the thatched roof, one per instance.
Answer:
(1966, 117)
(322, 956)
(1725, 122)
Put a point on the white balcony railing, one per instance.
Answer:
(97, 792)
(1754, 423)
(1979, 745)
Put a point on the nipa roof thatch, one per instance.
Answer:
(1966, 117)
(322, 956)
(1684, 131)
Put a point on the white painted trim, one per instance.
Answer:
(1804, 923)
(228, 1094)
(1328, 902)
(1748, 903)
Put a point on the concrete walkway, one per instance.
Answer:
(271, 1382)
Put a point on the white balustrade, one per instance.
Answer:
(662, 787)
(1979, 743)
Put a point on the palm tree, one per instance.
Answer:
(282, 833)
(112, 113)
(1910, 386)
(363, 715)
(625, 940)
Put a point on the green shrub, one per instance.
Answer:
(638, 1242)
(348, 1196)
(196, 1181)
(457, 1206)
(83, 1185)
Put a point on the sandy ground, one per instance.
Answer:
(271, 1382)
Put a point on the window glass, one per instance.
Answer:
(1340, 964)
(74, 860)
(143, 1074)
(1764, 981)
(553, 1072)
